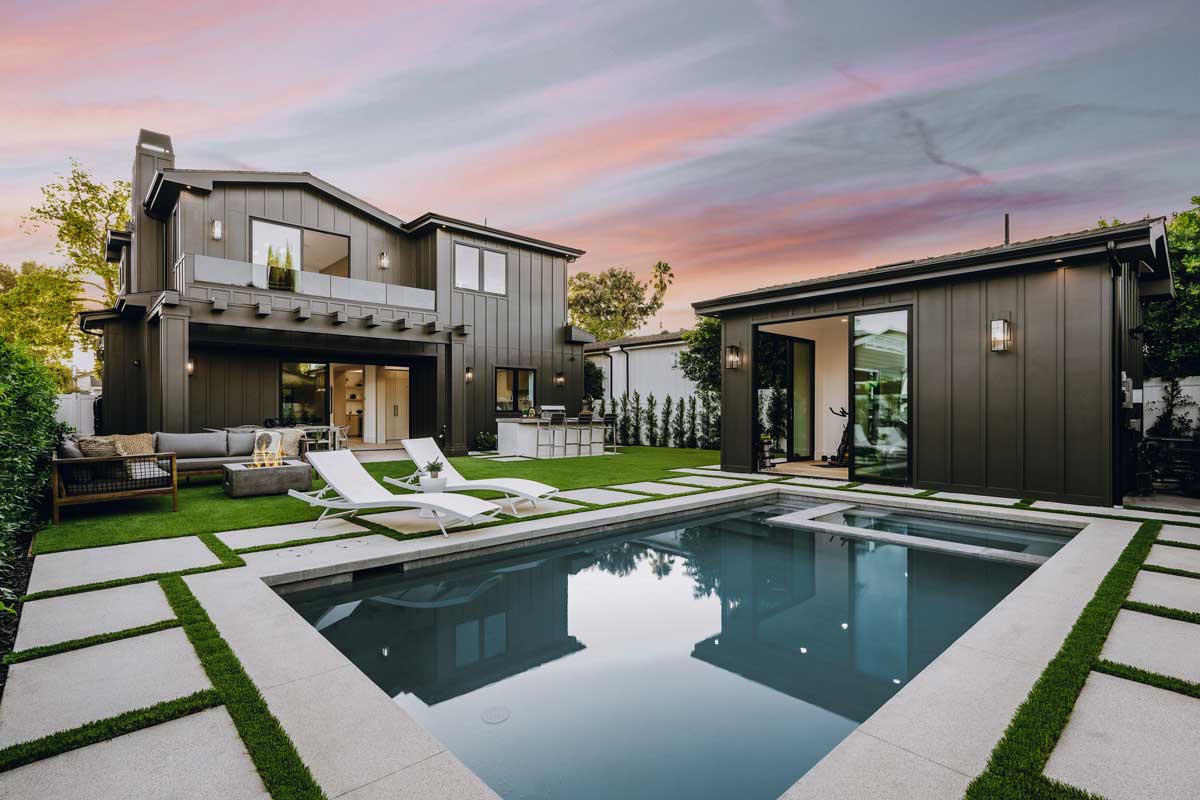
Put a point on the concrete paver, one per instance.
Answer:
(1172, 591)
(278, 534)
(863, 766)
(1157, 644)
(740, 476)
(887, 488)
(1162, 555)
(200, 755)
(543, 507)
(442, 777)
(655, 487)
(1179, 533)
(406, 521)
(76, 616)
(1129, 741)
(64, 691)
(707, 481)
(976, 498)
(97, 564)
(600, 497)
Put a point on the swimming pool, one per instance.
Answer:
(714, 657)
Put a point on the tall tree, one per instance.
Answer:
(593, 380)
(679, 425)
(614, 303)
(652, 420)
(81, 210)
(700, 359)
(667, 416)
(635, 424)
(38, 307)
(690, 439)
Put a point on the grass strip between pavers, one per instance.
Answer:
(18, 755)
(274, 756)
(93, 587)
(1171, 543)
(1155, 679)
(1014, 771)
(17, 656)
(1182, 573)
(1163, 611)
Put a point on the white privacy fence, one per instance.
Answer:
(1152, 395)
(76, 410)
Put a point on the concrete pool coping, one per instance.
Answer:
(922, 744)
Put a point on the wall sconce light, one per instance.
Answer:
(191, 367)
(733, 357)
(469, 374)
(384, 261)
(218, 229)
(1001, 336)
(560, 379)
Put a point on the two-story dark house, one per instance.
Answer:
(250, 296)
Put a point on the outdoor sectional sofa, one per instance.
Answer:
(77, 479)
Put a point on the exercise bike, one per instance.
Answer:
(842, 457)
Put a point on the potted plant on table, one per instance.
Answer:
(432, 482)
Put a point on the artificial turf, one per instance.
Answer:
(42, 651)
(274, 756)
(1014, 771)
(204, 508)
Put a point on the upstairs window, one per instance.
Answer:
(287, 250)
(476, 269)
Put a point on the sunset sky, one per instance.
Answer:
(745, 143)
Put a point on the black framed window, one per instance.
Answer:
(477, 269)
(515, 389)
(287, 250)
(304, 393)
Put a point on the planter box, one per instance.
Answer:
(243, 480)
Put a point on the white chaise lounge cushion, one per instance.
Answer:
(424, 451)
(343, 472)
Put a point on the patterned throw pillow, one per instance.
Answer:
(137, 444)
(102, 447)
(291, 441)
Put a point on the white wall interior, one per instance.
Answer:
(831, 364)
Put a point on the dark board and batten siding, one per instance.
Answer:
(523, 328)
(237, 204)
(1034, 422)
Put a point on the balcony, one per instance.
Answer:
(226, 272)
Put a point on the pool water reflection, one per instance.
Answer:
(716, 658)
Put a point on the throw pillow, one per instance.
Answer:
(291, 441)
(136, 444)
(102, 447)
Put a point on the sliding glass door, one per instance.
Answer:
(801, 396)
(880, 367)
(304, 393)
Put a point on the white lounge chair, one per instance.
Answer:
(350, 489)
(423, 451)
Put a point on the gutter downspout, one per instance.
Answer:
(612, 397)
(1116, 271)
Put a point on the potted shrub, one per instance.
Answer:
(433, 482)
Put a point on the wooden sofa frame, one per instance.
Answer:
(60, 497)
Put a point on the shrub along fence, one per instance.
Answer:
(29, 432)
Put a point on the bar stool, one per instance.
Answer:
(548, 433)
(582, 424)
(610, 433)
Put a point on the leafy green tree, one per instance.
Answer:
(690, 435)
(710, 420)
(777, 417)
(679, 426)
(700, 359)
(623, 429)
(38, 307)
(652, 420)
(593, 380)
(635, 424)
(82, 210)
(667, 416)
(614, 303)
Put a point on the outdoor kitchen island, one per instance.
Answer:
(520, 436)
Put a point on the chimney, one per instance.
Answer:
(154, 152)
(1006, 229)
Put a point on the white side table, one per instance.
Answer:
(427, 484)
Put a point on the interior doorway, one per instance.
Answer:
(348, 399)
(395, 383)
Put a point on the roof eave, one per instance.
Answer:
(430, 218)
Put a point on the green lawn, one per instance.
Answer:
(204, 508)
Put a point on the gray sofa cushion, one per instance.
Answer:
(241, 444)
(186, 465)
(192, 445)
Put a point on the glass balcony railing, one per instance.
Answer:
(224, 271)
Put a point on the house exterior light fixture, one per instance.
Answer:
(733, 357)
(191, 367)
(1001, 336)
(469, 374)
(384, 261)
(218, 230)
(560, 379)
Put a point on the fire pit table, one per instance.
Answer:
(251, 480)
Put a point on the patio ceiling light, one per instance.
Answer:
(733, 357)
(218, 230)
(1001, 336)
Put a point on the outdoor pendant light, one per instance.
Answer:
(733, 357)
(1001, 336)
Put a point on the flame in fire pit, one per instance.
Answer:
(268, 449)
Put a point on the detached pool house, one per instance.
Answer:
(1013, 370)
